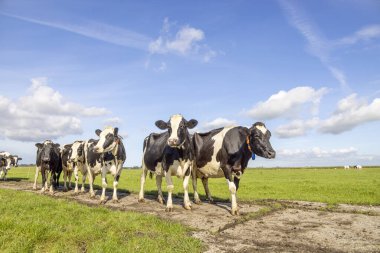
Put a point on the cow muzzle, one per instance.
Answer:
(271, 154)
(173, 142)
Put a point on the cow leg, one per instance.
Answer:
(232, 188)
(186, 199)
(43, 174)
(170, 187)
(197, 200)
(84, 175)
(52, 181)
(70, 175)
(115, 184)
(35, 178)
(91, 178)
(76, 176)
(236, 181)
(144, 172)
(1, 173)
(104, 185)
(65, 180)
(207, 191)
(160, 197)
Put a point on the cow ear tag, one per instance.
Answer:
(253, 156)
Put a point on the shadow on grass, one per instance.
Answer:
(16, 179)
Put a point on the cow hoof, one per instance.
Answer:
(115, 201)
(102, 201)
(187, 207)
(235, 212)
(141, 200)
(161, 201)
(197, 201)
(169, 209)
(211, 201)
(64, 189)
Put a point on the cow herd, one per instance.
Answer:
(6, 161)
(222, 152)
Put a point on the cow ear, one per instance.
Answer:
(39, 145)
(115, 131)
(98, 131)
(19, 158)
(67, 146)
(191, 123)
(161, 124)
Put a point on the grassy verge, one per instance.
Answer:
(331, 186)
(33, 223)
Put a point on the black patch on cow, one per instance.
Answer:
(204, 147)
(154, 152)
(109, 139)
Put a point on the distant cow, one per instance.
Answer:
(5, 164)
(358, 167)
(6, 161)
(73, 160)
(346, 167)
(169, 154)
(106, 155)
(48, 161)
(225, 152)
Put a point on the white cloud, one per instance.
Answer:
(351, 112)
(296, 128)
(95, 30)
(187, 41)
(42, 114)
(286, 103)
(217, 123)
(318, 155)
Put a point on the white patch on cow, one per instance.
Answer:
(212, 169)
(175, 120)
(262, 129)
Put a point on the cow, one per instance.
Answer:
(106, 155)
(5, 164)
(169, 154)
(73, 161)
(358, 167)
(225, 152)
(346, 167)
(48, 161)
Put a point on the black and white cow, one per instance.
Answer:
(48, 161)
(225, 152)
(106, 155)
(73, 161)
(169, 154)
(5, 164)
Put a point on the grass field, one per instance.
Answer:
(35, 223)
(321, 185)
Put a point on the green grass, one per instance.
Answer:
(36, 223)
(327, 185)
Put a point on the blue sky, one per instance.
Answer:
(309, 69)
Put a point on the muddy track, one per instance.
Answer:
(264, 226)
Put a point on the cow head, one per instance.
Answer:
(47, 149)
(177, 127)
(108, 139)
(15, 160)
(76, 151)
(259, 143)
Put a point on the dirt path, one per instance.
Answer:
(270, 226)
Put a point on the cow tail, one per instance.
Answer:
(150, 175)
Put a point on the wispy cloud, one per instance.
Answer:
(217, 123)
(95, 30)
(321, 47)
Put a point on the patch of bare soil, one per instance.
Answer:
(268, 226)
